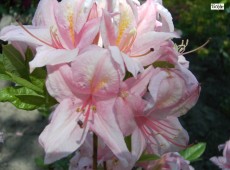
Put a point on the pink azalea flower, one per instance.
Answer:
(133, 32)
(223, 162)
(59, 33)
(86, 91)
(158, 134)
(169, 161)
(173, 91)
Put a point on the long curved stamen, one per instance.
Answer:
(33, 35)
(198, 47)
(146, 135)
(152, 125)
(55, 38)
(141, 55)
(164, 124)
(151, 128)
(87, 115)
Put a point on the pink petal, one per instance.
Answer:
(138, 143)
(107, 30)
(40, 17)
(63, 135)
(88, 33)
(168, 101)
(166, 19)
(51, 56)
(150, 40)
(117, 57)
(95, 74)
(16, 33)
(166, 136)
(133, 66)
(146, 17)
(105, 125)
(138, 86)
(59, 82)
(124, 112)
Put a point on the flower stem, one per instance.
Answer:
(104, 165)
(95, 141)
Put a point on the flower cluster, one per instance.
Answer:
(114, 70)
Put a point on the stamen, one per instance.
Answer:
(198, 47)
(55, 38)
(20, 24)
(151, 50)
(94, 109)
(182, 46)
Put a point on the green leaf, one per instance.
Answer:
(5, 77)
(22, 97)
(194, 152)
(14, 62)
(24, 82)
(163, 64)
(148, 157)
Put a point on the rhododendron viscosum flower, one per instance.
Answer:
(60, 32)
(86, 91)
(169, 161)
(155, 133)
(133, 31)
(223, 162)
(173, 92)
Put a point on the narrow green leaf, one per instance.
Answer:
(14, 62)
(24, 82)
(28, 57)
(194, 152)
(21, 97)
(148, 157)
(163, 64)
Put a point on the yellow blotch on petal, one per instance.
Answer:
(71, 24)
(101, 84)
(124, 23)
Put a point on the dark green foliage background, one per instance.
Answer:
(209, 120)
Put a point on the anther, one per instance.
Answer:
(94, 109)
(78, 109)
(80, 123)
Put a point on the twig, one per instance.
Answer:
(95, 142)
